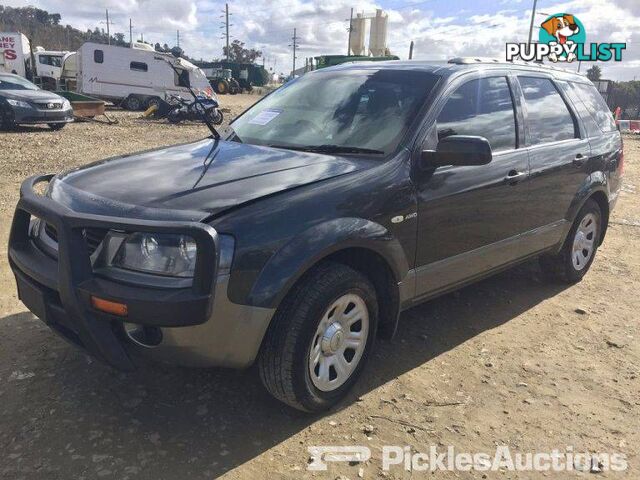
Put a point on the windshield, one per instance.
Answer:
(15, 83)
(364, 109)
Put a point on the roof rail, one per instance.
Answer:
(468, 60)
(473, 60)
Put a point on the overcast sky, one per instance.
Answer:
(440, 28)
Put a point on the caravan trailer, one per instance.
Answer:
(135, 77)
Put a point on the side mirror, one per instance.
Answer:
(459, 150)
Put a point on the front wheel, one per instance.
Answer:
(56, 126)
(573, 261)
(174, 116)
(320, 338)
(6, 118)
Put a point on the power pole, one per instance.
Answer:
(108, 32)
(350, 29)
(294, 45)
(533, 15)
(411, 50)
(226, 21)
(178, 38)
(130, 34)
(108, 27)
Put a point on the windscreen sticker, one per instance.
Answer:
(265, 116)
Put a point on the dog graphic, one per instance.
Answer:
(562, 28)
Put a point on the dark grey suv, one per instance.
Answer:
(330, 206)
(23, 103)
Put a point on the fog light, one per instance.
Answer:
(107, 306)
(143, 335)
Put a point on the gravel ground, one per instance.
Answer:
(508, 361)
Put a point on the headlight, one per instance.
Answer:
(18, 103)
(66, 104)
(161, 254)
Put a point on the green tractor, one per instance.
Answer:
(222, 81)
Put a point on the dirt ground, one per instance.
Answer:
(508, 361)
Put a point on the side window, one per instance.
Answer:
(482, 107)
(44, 60)
(98, 56)
(138, 66)
(548, 116)
(596, 105)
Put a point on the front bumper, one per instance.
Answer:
(33, 116)
(196, 326)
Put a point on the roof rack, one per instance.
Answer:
(474, 60)
(469, 60)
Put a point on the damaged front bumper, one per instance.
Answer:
(192, 325)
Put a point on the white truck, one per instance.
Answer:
(14, 53)
(43, 67)
(136, 77)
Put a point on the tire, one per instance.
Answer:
(222, 87)
(174, 116)
(132, 103)
(571, 264)
(6, 118)
(151, 102)
(215, 116)
(56, 126)
(303, 326)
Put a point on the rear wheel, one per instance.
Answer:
(320, 338)
(133, 103)
(222, 87)
(152, 102)
(573, 261)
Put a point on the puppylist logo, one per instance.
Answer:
(563, 38)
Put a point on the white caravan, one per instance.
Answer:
(135, 77)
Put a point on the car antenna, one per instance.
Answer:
(201, 110)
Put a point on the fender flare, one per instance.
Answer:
(309, 247)
(597, 182)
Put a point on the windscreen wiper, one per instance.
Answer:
(338, 149)
(201, 111)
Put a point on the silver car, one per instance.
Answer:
(23, 103)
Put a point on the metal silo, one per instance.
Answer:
(358, 26)
(378, 34)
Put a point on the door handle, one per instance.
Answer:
(579, 160)
(514, 176)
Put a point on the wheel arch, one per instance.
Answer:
(596, 187)
(360, 244)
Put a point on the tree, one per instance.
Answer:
(239, 54)
(626, 95)
(594, 73)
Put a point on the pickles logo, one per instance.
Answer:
(563, 38)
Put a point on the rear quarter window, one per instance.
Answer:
(595, 104)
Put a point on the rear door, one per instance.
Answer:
(469, 216)
(558, 156)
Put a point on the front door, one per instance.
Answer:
(469, 216)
